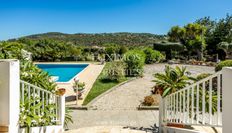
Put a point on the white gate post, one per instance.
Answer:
(9, 94)
(226, 99)
(161, 112)
(62, 109)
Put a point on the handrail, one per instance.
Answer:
(41, 89)
(37, 96)
(198, 82)
(196, 103)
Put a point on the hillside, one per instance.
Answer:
(122, 38)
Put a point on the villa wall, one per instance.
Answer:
(10, 99)
(9, 96)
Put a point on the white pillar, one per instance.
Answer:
(9, 94)
(226, 99)
(161, 111)
(62, 110)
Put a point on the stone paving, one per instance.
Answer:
(108, 129)
(118, 108)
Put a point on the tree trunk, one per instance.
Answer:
(199, 55)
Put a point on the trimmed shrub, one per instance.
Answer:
(152, 56)
(226, 63)
(148, 100)
(134, 60)
(116, 71)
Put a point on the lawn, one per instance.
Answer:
(101, 85)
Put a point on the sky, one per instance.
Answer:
(25, 17)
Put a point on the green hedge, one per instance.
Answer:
(152, 56)
(226, 63)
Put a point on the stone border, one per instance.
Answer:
(89, 105)
(142, 107)
(76, 107)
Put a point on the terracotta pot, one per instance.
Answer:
(175, 125)
(61, 91)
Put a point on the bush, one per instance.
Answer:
(134, 60)
(152, 56)
(148, 100)
(32, 74)
(89, 57)
(123, 50)
(202, 76)
(116, 71)
(226, 63)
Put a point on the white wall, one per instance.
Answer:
(9, 94)
(10, 100)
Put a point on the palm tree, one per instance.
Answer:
(172, 80)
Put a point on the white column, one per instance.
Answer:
(161, 112)
(9, 94)
(226, 99)
(62, 110)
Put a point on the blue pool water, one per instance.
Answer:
(65, 72)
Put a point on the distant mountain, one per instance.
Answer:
(122, 38)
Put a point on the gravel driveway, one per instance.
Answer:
(118, 108)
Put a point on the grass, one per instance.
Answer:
(101, 85)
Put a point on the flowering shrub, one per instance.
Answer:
(32, 112)
(32, 74)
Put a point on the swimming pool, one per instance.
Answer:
(64, 72)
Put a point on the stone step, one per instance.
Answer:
(3, 129)
(105, 129)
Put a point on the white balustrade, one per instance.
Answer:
(37, 96)
(197, 104)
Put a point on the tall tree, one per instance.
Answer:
(191, 35)
(176, 34)
(194, 38)
(216, 32)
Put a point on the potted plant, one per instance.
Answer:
(78, 88)
(60, 91)
(81, 86)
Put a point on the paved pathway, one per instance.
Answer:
(118, 108)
